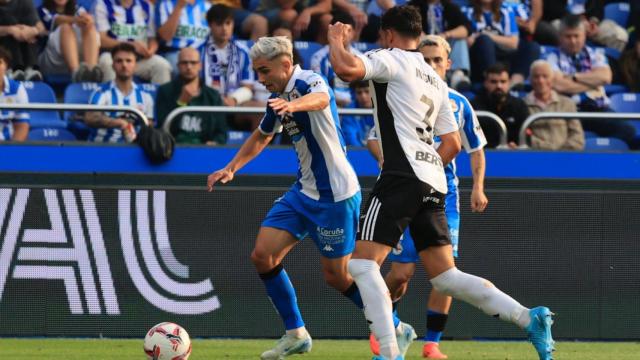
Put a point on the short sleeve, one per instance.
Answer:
(472, 136)
(445, 122)
(22, 98)
(599, 59)
(373, 134)
(270, 124)
(101, 17)
(317, 84)
(379, 65)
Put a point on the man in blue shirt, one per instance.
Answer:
(323, 203)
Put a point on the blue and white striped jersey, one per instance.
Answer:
(13, 93)
(125, 24)
(228, 68)
(109, 94)
(522, 8)
(48, 17)
(320, 64)
(507, 26)
(193, 29)
(473, 138)
(324, 173)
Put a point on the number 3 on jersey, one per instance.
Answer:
(426, 134)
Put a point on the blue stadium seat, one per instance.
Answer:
(237, 137)
(51, 134)
(306, 49)
(626, 102)
(590, 134)
(618, 12)
(364, 46)
(78, 93)
(615, 89)
(546, 49)
(150, 88)
(40, 92)
(605, 144)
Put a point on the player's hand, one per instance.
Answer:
(223, 176)
(337, 33)
(479, 201)
(280, 106)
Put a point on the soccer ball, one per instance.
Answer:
(167, 341)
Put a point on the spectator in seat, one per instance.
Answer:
(309, 18)
(281, 28)
(14, 125)
(581, 72)
(495, 98)
(495, 37)
(250, 25)
(181, 23)
(188, 89)
(357, 9)
(320, 62)
(227, 67)
(601, 31)
(444, 18)
(19, 32)
(355, 128)
(130, 21)
(551, 134)
(72, 38)
(119, 127)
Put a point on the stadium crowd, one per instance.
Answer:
(511, 57)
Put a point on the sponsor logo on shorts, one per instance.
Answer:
(428, 158)
(330, 236)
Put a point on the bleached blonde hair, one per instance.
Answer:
(271, 47)
(435, 40)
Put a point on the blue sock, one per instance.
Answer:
(396, 319)
(283, 296)
(354, 295)
(435, 325)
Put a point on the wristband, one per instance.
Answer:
(241, 94)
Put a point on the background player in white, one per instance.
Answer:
(325, 200)
(436, 50)
(412, 106)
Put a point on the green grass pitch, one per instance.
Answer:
(103, 349)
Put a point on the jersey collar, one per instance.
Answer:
(292, 80)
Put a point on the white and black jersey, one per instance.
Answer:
(412, 107)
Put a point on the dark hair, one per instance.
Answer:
(497, 68)
(359, 84)
(69, 8)
(219, 13)
(405, 20)
(6, 56)
(570, 21)
(343, 17)
(123, 47)
(495, 9)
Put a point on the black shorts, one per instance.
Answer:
(397, 202)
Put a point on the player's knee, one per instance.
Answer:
(262, 260)
(339, 280)
(361, 266)
(400, 277)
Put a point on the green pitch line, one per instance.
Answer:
(111, 349)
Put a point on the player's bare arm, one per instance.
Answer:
(249, 150)
(309, 102)
(479, 200)
(450, 146)
(347, 66)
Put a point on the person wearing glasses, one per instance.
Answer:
(188, 89)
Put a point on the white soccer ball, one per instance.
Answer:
(167, 341)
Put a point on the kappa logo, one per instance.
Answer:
(327, 248)
(76, 253)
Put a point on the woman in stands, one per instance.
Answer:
(73, 42)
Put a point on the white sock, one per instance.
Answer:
(482, 294)
(297, 332)
(377, 304)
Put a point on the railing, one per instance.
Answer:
(342, 111)
(522, 135)
(76, 107)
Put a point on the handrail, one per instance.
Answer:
(240, 110)
(522, 134)
(501, 125)
(76, 107)
(342, 111)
